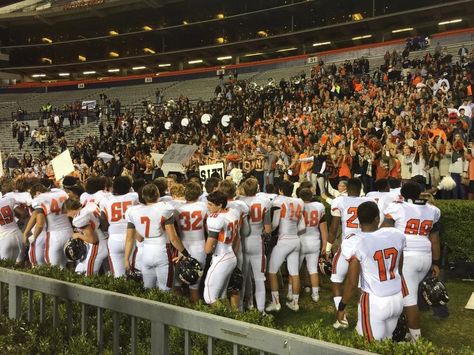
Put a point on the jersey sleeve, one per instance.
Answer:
(336, 208)
(437, 215)
(168, 213)
(392, 211)
(215, 224)
(38, 205)
(128, 216)
(82, 220)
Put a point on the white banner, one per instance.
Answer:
(62, 165)
(179, 153)
(172, 168)
(89, 104)
(1, 164)
(205, 171)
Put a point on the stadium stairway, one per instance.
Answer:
(8, 144)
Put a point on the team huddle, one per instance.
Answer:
(227, 241)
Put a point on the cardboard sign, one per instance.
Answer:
(172, 167)
(156, 157)
(179, 153)
(1, 164)
(62, 165)
(205, 171)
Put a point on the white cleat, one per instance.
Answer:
(289, 296)
(315, 298)
(273, 307)
(293, 306)
(341, 325)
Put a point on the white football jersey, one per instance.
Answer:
(149, 220)
(89, 216)
(226, 223)
(346, 208)
(415, 221)
(7, 215)
(313, 212)
(96, 197)
(239, 206)
(383, 200)
(114, 208)
(271, 197)
(51, 204)
(191, 220)
(259, 212)
(21, 198)
(291, 216)
(379, 254)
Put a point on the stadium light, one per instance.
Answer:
(185, 22)
(81, 58)
(361, 37)
(164, 65)
(450, 21)
(46, 60)
(38, 75)
(113, 70)
(89, 72)
(113, 33)
(220, 16)
(321, 44)
(287, 49)
(147, 28)
(46, 40)
(196, 61)
(139, 67)
(149, 50)
(262, 33)
(403, 30)
(113, 54)
(225, 57)
(64, 74)
(253, 54)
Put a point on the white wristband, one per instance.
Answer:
(328, 247)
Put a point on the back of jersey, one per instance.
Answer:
(259, 209)
(52, 204)
(225, 223)
(89, 216)
(7, 216)
(416, 221)
(313, 212)
(149, 220)
(346, 208)
(114, 207)
(291, 212)
(379, 254)
(191, 219)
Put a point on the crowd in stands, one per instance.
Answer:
(410, 119)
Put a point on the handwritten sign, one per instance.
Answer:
(62, 165)
(205, 171)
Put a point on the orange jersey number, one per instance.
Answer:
(350, 223)
(380, 256)
(191, 220)
(416, 227)
(6, 216)
(118, 210)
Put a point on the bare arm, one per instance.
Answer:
(129, 244)
(435, 252)
(323, 228)
(40, 220)
(29, 226)
(88, 235)
(350, 287)
(173, 236)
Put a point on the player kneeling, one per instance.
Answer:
(151, 223)
(223, 242)
(87, 220)
(377, 258)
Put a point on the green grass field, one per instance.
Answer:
(454, 332)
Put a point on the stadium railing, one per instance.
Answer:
(162, 317)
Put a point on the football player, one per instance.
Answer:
(113, 209)
(344, 214)
(153, 223)
(95, 191)
(419, 222)
(383, 197)
(222, 242)
(50, 216)
(254, 260)
(314, 239)
(288, 218)
(11, 241)
(377, 258)
(191, 225)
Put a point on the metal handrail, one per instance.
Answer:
(161, 315)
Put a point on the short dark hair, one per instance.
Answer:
(411, 190)
(287, 188)
(381, 185)
(354, 186)
(305, 194)
(218, 198)
(270, 189)
(150, 193)
(367, 212)
(121, 185)
(94, 184)
(394, 183)
(37, 188)
(211, 184)
(228, 188)
(192, 191)
(162, 185)
(72, 204)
